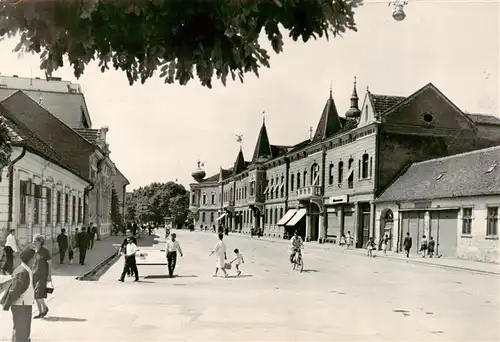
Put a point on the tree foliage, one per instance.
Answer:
(180, 38)
(5, 145)
(156, 201)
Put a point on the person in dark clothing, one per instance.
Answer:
(431, 247)
(407, 242)
(7, 260)
(83, 244)
(62, 242)
(92, 235)
(134, 229)
(123, 248)
(130, 262)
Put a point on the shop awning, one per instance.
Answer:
(266, 191)
(296, 218)
(282, 185)
(288, 215)
(221, 217)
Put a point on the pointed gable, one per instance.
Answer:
(329, 123)
(239, 164)
(263, 147)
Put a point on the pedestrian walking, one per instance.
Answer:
(130, 262)
(11, 242)
(385, 243)
(342, 241)
(370, 246)
(348, 240)
(220, 256)
(407, 242)
(173, 247)
(42, 274)
(123, 247)
(62, 242)
(7, 261)
(238, 260)
(20, 296)
(423, 246)
(431, 247)
(83, 244)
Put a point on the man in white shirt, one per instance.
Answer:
(130, 262)
(172, 248)
(11, 241)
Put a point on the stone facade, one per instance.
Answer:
(336, 175)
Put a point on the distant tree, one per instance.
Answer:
(5, 146)
(156, 201)
(180, 38)
(116, 216)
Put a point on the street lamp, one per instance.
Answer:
(398, 14)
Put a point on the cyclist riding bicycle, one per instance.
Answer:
(297, 244)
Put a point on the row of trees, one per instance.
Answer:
(154, 202)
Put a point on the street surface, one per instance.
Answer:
(341, 296)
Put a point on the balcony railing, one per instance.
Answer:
(194, 208)
(308, 192)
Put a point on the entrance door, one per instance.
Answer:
(349, 222)
(412, 222)
(333, 228)
(444, 230)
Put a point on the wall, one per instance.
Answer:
(38, 170)
(207, 208)
(476, 246)
(274, 207)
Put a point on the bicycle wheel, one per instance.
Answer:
(300, 264)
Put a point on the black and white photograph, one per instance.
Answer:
(249, 170)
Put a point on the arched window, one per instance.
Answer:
(204, 198)
(298, 180)
(330, 174)
(341, 172)
(277, 188)
(231, 197)
(211, 217)
(203, 217)
(365, 166)
(213, 197)
(304, 178)
(292, 177)
(315, 174)
(282, 186)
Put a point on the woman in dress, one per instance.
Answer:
(220, 255)
(41, 274)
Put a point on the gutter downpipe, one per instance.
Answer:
(11, 186)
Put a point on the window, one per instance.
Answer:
(365, 166)
(252, 188)
(275, 215)
(73, 209)
(341, 172)
(213, 198)
(36, 204)
(315, 174)
(366, 113)
(66, 208)
(79, 210)
(192, 198)
(330, 174)
(58, 207)
(212, 217)
(492, 224)
(292, 177)
(48, 212)
(245, 192)
(281, 212)
(266, 216)
(203, 217)
(304, 178)
(371, 166)
(23, 190)
(204, 198)
(298, 180)
(466, 221)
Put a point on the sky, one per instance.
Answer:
(157, 132)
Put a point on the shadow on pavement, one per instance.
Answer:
(240, 276)
(164, 276)
(64, 319)
(310, 271)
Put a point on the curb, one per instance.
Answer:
(97, 267)
(394, 258)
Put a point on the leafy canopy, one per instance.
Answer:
(116, 216)
(180, 38)
(155, 202)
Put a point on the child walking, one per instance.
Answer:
(370, 245)
(238, 258)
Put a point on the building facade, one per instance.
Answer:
(326, 186)
(39, 192)
(455, 200)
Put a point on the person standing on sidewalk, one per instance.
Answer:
(407, 242)
(92, 235)
(20, 296)
(42, 274)
(130, 262)
(123, 247)
(83, 244)
(11, 242)
(62, 242)
(172, 248)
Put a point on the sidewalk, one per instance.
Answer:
(61, 274)
(450, 263)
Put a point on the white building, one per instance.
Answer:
(454, 199)
(39, 192)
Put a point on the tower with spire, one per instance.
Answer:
(354, 112)
(199, 173)
(263, 150)
(329, 122)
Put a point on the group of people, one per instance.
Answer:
(30, 284)
(427, 246)
(82, 240)
(219, 251)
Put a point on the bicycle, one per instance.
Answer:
(298, 262)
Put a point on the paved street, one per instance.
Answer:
(340, 296)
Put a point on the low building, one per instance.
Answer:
(40, 193)
(455, 200)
